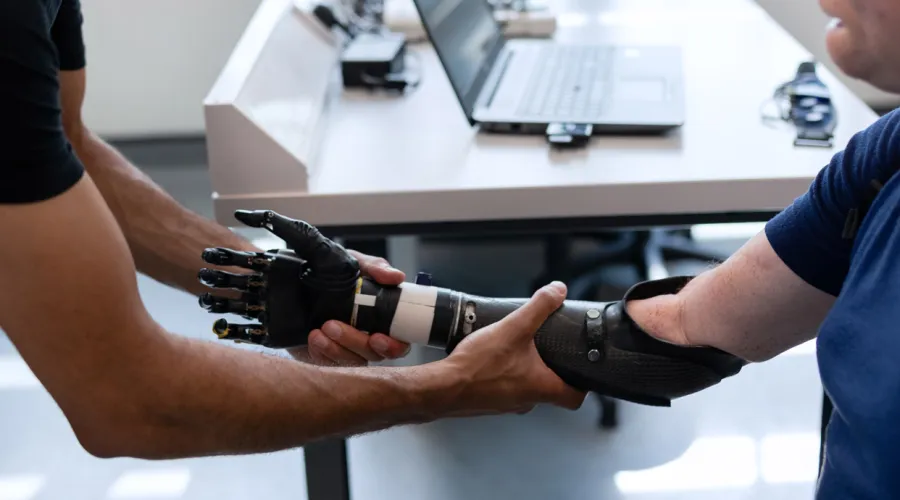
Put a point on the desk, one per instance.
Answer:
(393, 166)
(379, 157)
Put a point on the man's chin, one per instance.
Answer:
(848, 49)
(853, 69)
(851, 62)
(887, 82)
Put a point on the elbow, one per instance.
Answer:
(756, 357)
(762, 354)
(119, 427)
(124, 411)
(104, 436)
(101, 447)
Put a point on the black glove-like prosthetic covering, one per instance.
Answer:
(593, 346)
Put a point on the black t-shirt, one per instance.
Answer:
(38, 38)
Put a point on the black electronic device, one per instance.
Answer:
(375, 61)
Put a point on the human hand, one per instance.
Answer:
(501, 369)
(339, 344)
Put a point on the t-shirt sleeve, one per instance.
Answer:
(67, 35)
(809, 235)
(37, 161)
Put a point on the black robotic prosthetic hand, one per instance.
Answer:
(593, 346)
(290, 292)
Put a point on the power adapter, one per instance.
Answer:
(375, 61)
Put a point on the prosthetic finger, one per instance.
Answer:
(228, 257)
(250, 334)
(297, 234)
(329, 267)
(278, 297)
(222, 279)
(248, 307)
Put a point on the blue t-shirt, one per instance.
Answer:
(859, 342)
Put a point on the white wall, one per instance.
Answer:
(151, 63)
(806, 22)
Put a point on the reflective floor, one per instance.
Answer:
(751, 437)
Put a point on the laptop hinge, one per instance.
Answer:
(495, 84)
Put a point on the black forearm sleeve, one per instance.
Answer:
(593, 346)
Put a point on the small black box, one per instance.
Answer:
(370, 58)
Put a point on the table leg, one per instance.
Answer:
(326, 470)
(557, 255)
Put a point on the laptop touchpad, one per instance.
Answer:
(640, 89)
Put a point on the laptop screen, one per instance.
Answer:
(467, 39)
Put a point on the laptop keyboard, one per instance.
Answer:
(568, 81)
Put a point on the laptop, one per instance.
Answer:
(524, 85)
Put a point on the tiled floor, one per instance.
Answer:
(752, 437)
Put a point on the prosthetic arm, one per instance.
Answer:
(593, 346)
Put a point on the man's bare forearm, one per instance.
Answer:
(752, 306)
(70, 304)
(165, 238)
(192, 398)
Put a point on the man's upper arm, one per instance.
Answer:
(68, 298)
(808, 235)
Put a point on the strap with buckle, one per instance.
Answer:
(595, 322)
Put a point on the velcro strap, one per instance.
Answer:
(594, 328)
(597, 325)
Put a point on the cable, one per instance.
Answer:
(417, 67)
(330, 20)
(362, 25)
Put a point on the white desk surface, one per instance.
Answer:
(389, 161)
